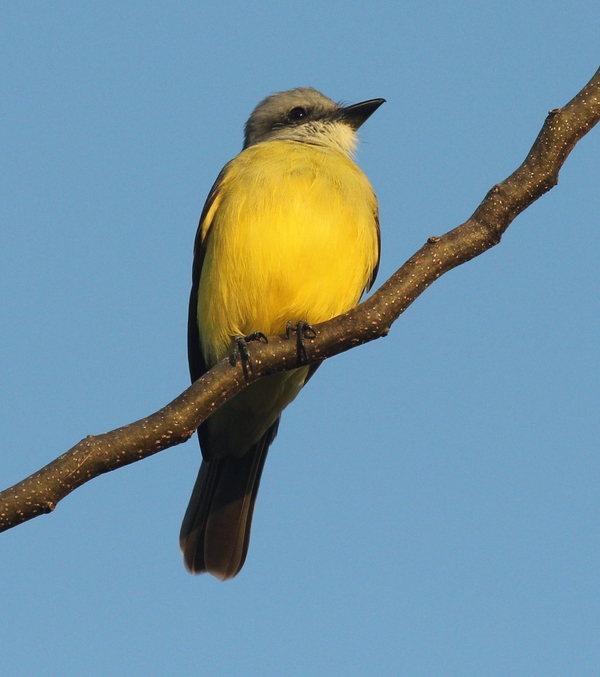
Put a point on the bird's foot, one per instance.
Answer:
(303, 330)
(240, 350)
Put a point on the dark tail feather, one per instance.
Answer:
(215, 533)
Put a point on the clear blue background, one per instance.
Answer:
(432, 503)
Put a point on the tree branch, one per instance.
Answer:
(176, 422)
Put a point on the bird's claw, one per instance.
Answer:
(303, 330)
(241, 350)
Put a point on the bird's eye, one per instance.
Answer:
(297, 114)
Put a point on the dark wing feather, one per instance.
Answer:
(196, 361)
(376, 269)
(215, 533)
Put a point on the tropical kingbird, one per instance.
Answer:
(289, 233)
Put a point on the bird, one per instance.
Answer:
(289, 233)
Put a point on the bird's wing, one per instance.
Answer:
(216, 528)
(376, 268)
(196, 360)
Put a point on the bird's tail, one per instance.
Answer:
(215, 533)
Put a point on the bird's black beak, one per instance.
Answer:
(354, 116)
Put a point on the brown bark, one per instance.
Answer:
(176, 422)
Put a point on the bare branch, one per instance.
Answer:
(176, 422)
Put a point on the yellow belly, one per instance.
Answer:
(292, 235)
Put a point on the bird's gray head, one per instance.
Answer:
(307, 116)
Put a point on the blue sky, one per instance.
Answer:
(431, 504)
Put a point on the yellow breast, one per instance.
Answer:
(291, 235)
